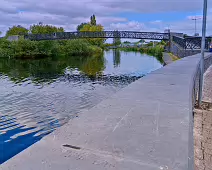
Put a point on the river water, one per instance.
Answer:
(37, 96)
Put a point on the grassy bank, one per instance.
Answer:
(39, 49)
(173, 57)
(156, 51)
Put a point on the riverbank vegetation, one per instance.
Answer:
(23, 48)
(39, 49)
(173, 57)
(156, 51)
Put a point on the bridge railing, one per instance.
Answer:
(179, 41)
(100, 34)
(191, 43)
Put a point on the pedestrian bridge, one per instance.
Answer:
(178, 45)
(100, 34)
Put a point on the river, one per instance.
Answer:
(38, 96)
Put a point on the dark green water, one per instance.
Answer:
(37, 96)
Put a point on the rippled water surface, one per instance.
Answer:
(37, 96)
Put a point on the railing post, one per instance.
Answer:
(202, 53)
(169, 48)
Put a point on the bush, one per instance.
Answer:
(33, 49)
(95, 50)
(76, 47)
(5, 46)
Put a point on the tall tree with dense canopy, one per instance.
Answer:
(117, 38)
(44, 29)
(17, 30)
(79, 27)
(94, 28)
(93, 20)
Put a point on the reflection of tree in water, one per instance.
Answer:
(93, 66)
(49, 69)
(116, 57)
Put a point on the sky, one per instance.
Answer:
(129, 15)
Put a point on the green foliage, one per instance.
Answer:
(23, 48)
(156, 51)
(94, 28)
(93, 20)
(45, 29)
(79, 27)
(77, 47)
(17, 30)
(35, 49)
(163, 42)
(117, 39)
(141, 41)
(126, 42)
(80, 47)
(150, 44)
(5, 48)
(185, 35)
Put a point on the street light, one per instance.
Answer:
(202, 53)
(195, 19)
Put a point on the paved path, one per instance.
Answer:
(166, 58)
(146, 126)
(203, 128)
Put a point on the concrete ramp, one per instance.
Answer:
(145, 126)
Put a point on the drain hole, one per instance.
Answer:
(71, 146)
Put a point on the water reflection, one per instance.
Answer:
(116, 58)
(37, 96)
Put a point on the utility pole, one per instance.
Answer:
(202, 52)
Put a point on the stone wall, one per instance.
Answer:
(180, 52)
(207, 64)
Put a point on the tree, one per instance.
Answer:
(94, 28)
(185, 35)
(141, 41)
(126, 42)
(17, 30)
(116, 39)
(79, 27)
(0, 32)
(93, 20)
(163, 42)
(45, 29)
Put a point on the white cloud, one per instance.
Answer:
(70, 13)
(131, 26)
(156, 22)
(194, 17)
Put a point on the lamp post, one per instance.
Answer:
(195, 19)
(202, 52)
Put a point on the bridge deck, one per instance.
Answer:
(146, 126)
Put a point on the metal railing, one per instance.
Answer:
(101, 34)
(191, 43)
